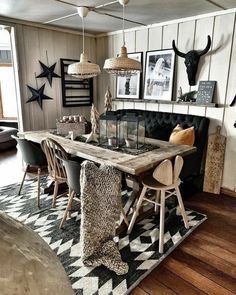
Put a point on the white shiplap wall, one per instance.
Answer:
(219, 64)
(32, 43)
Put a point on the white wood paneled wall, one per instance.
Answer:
(219, 64)
(32, 44)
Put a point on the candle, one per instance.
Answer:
(111, 141)
(130, 143)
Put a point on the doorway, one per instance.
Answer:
(8, 94)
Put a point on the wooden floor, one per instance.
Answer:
(10, 167)
(205, 263)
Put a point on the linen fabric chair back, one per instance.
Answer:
(100, 210)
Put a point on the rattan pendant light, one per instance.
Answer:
(122, 65)
(83, 69)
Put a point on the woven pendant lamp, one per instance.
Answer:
(83, 69)
(122, 65)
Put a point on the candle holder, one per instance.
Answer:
(131, 131)
(109, 125)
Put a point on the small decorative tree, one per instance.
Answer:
(94, 117)
(108, 100)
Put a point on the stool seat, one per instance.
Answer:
(152, 183)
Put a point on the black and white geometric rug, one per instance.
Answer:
(139, 249)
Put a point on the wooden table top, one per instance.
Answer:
(132, 164)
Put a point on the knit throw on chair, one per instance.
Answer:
(100, 210)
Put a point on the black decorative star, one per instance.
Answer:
(38, 95)
(48, 72)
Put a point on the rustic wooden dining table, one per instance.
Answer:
(135, 167)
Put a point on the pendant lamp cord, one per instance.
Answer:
(83, 32)
(124, 25)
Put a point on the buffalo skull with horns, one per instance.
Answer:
(192, 59)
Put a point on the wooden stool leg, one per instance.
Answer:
(38, 195)
(55, 194)
(68, 207)
(22, 182)
(136, 212)
(157, 200)
(162, 222)
(181, 206)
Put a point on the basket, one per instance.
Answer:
(78, 128)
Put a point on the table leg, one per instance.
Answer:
(132, 182)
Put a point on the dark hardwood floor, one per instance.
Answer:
(10, 167)
(205, 263)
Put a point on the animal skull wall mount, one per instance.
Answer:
(192, 59)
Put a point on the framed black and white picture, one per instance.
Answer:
(129, 87)
(159, 74)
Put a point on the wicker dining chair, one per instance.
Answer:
(35, 160)
(55, 153)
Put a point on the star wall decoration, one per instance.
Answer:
(38, 95)
(48, 72)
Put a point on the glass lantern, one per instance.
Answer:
(108, 125)
(132, 131)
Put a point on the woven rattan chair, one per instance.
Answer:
(35, 160)
(165, 181)
(55, 153)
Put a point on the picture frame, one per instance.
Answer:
(159, 74)
(130, 87)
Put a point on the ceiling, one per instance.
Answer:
(147, 12)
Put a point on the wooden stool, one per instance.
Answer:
(165, 181)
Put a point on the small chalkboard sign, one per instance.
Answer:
(205, 92)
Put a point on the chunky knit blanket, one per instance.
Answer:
(100, 210)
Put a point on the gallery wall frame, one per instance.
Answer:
(130, 87)
(159, 74)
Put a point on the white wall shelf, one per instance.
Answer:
(211, 105)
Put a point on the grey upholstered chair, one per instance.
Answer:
(35, 160)
(73, 181)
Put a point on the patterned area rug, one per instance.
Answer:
(139, 249)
